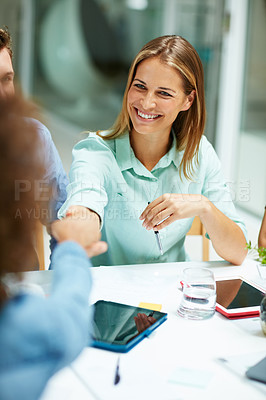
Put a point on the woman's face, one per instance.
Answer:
(156, 97)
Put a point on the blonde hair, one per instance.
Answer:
(188, 127)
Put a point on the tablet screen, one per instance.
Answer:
(116, 323)
(236, 293)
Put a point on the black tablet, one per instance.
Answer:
(238, 298)
(258, 371)
(119, 327)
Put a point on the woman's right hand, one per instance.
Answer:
(82, 226)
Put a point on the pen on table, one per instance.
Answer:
(158, 239)
(117, 373)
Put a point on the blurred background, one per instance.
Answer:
(73, 56)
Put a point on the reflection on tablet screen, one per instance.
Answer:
(116, 323)
(236, 293)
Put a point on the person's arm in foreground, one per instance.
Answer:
(227, 237)
(40, 335)
(262, 234)
(72, 281)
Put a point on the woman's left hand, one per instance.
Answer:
(170, 207)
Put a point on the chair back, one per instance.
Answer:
(197, 228)
(39, 243)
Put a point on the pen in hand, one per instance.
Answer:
(158, 239)
(117, 373)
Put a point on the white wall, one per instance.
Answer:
(242, 151)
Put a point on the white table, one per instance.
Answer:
(178, 348)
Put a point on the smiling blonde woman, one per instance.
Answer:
(155, 153)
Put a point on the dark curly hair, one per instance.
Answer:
(20, 168)
(5, 41)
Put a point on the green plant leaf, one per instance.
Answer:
(260, 252)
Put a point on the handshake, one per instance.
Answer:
(84, 231)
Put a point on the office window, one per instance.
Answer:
(82, 51)
(252, 139)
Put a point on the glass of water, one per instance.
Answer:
(199, 294)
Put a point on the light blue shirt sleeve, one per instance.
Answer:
(54, 176)
(54, 180)
(90, 174)
(39, 336)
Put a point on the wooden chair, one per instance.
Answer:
(40, 245)
(197, 228)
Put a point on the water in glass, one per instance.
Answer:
(199, 294)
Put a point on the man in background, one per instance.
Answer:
(54, 176)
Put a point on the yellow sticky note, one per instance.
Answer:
(150, 306)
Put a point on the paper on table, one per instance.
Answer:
(150, 306)
(138, 380)
(129, 285)
(191, 377)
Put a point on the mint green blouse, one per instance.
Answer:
(106, 177)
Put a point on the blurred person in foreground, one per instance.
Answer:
(54, 176)
(38, 335)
